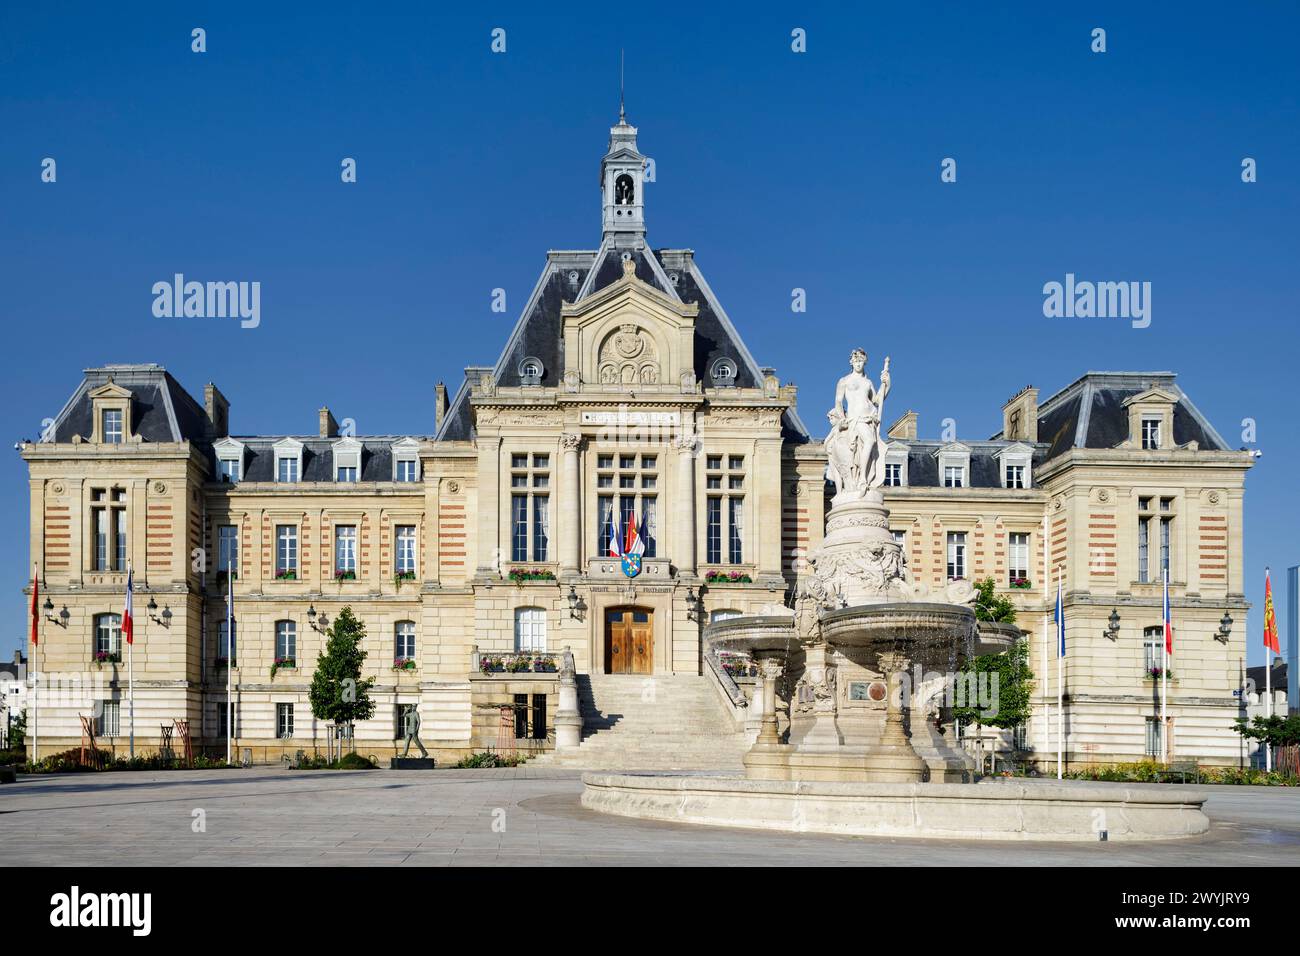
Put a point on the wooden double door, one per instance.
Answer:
(629, 640)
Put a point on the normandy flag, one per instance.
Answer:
(1270, 619)
(1169, 622)
(127, 629)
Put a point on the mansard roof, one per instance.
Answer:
(1091, 413)
(572, 276)
(161, 411)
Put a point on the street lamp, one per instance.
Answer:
(693, 606)
(1225, 628)
(577, 606)
(1112, 631)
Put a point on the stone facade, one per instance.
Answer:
(624, 389)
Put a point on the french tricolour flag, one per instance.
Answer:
(615, 536)
(126, 611)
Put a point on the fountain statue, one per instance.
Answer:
(864, 747)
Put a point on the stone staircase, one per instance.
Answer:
(670, 722)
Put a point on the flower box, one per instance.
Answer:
(108, 657)
(345, 575)
(518, 664)
(281, 663)
(531, 574)
(404, 664)
(286, 575)
(1155, 673)
(727, 577)
(1021, 584)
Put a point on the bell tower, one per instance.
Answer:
(622, 173)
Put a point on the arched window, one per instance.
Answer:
(286, 640)
(530, 629)
(623, 190)
(404, 641)
(108, 636)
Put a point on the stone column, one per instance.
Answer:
(893, 760)
(687, 446)
(770, 669)
(570, 512)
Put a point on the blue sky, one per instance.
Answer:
(817, 170)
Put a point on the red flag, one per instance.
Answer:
(1270, 620)
(1169, 623)
(126, 612)
(36, 614)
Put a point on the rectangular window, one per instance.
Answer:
(286, 549)
(223, 643)
(406, 469)
(110, 718)
(1017, 557)
(954, 476)
(650, 523)
(286, 469)
(605, 511)
(347, 473)
(541, 527)
(345, 550)
(227, 718)
(1150, 433)
(108, 634)
(539, 716)
(736, 520)
(286, 640)
(530, 629)
(1166, 527)
(1153, 737)
(900, 538)
(1153, 648)
(519, 528)
(713, 531)
(956, 554)
(101, 538)
(119, 537)
(228, 548)
(112, 421)
(1015, 477)
(228, 470)
(399, 714)
(284, 721)
(1144, 547)
(893, 474)
(404, 644)
(405, 549)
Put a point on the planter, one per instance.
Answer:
(345, 575)
(282, 663)
(518, 574)
(101, 658)
(728, 577)
(286, 575)
(404, 664)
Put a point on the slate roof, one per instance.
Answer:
(1090, 413)
(162, 411)
(317, 457)
(573, 276)
(1279, 676)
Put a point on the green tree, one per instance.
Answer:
(338, 693)
(1009, 673)
(18, 731)
(990, 607)
(1276, 730)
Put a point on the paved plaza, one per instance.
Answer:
(267, 816)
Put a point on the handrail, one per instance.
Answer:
(728, 682)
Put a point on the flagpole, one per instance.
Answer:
(1060, 683)
(1164, 678)
(36, 672)
(1047, 705)
(130, 661)
(1268, 680)
(230, 654)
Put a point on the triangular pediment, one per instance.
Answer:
(110, 389)
(1152, 396)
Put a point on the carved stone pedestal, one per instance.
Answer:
(858, 562)
(893, 760)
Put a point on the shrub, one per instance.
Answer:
(354, 761)
(487, 759)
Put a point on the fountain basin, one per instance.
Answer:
(1000, 810)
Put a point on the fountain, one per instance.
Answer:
(861, 751)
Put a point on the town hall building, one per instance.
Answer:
(476, 555)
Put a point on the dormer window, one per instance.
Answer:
(723, 372)
(230, 460)
(406, 460)
(895, 466)
(1017, 463)
(954, 465)
(1150, 434)
(530, 371)
(113, 430)
(347, 460)
(288, 460)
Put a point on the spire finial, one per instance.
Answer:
(622, 115)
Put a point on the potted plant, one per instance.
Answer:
(107, 657)
(282, 662)
(345, 575)
(288, 574)
(404, 664)
(517, 665)
(530, 574)
(544, 665)
(491, 665)
(1022, 584)
(1156, 672)
(401, 576)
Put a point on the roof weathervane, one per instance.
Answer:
(622, 116)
